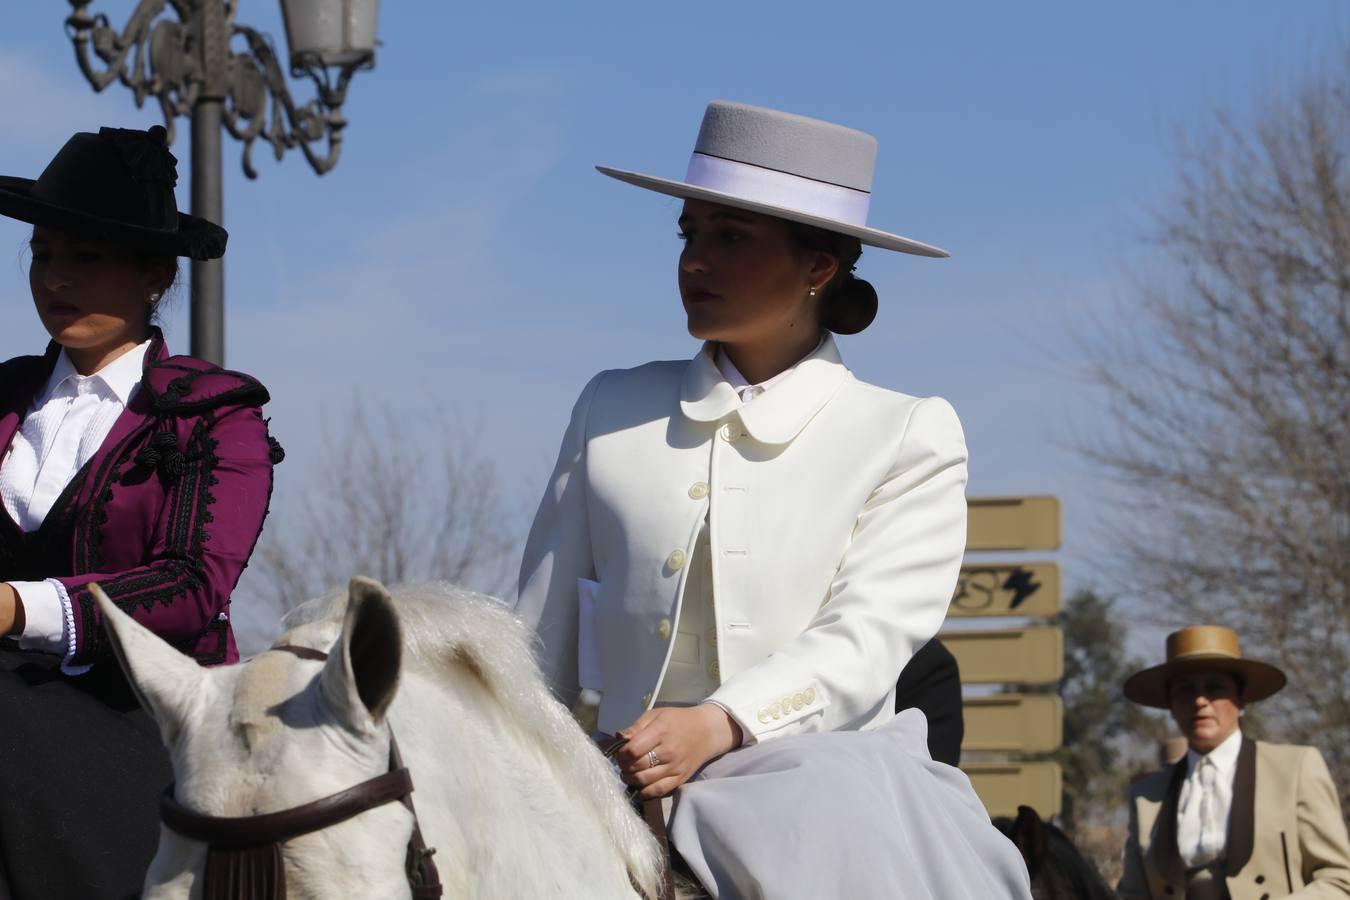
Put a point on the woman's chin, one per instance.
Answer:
(61, 329)
(85, 332)
(705, 328)
(68, 334)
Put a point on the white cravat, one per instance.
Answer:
(63, 429)
(1205, 801)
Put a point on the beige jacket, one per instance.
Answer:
(1286, 834)
(837, 520)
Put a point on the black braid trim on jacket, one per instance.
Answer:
(220, 629)
(185, 394)
(187, 500)
(87, 555)
(163, 583)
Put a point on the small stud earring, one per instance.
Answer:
(154, 298)
(811, 293)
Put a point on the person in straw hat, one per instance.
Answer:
(1235, 817)
(113, 457)
(737, 554)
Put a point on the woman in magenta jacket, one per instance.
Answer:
(120, 464)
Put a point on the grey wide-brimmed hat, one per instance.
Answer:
(783, 165)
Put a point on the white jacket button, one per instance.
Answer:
(675, 560)
(663, 629)
(730, 433)
(698, 490)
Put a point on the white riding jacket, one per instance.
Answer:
(836, 517)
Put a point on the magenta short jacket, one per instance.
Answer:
(165, 515)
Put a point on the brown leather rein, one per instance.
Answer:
(652, 814)
(244, 852)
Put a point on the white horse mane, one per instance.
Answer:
(445, 626)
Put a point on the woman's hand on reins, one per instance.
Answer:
(679, 740)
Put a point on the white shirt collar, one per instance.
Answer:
(740, 384)
(1223, 756)
(121, 376)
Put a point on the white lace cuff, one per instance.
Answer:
(69, 632)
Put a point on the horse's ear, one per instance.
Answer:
(167, 683)
(1029, 835)
(361, 676)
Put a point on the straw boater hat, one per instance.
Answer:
(783, 165)
(1209, 648)
(116, 185)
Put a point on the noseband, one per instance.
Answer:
(243, 859)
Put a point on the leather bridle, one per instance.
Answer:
(244, 852)
(652, 814)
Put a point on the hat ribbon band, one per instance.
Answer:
(783, 189)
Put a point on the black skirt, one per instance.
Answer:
(81, 771)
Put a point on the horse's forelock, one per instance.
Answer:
(325, 607)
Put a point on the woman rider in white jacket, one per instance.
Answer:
(752, 544)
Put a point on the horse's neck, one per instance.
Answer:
(488, 800)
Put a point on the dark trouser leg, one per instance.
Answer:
(931, 682)
(79, 786)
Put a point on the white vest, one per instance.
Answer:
(836, 515)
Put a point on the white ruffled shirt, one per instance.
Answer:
(1205, 801)
(67, 423)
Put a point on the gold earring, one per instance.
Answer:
(811, 293)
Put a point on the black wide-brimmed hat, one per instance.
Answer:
(116, 185)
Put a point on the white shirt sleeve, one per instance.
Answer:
(49, 619)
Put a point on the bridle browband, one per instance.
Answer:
(244, 852)
(278, 827)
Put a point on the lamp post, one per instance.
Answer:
(200, 63)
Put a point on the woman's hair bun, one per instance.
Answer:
(850, 307)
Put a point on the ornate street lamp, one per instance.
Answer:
(207, 67)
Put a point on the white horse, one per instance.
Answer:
(510, 792)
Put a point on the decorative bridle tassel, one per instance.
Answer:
(245, 873)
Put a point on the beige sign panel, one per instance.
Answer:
(1008, 655)
(1005, 786)
(1024, 723)
(1013, 523)
(1007, 589)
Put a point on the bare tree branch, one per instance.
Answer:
(1231, 402)
(394, 505)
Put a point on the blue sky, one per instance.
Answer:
(465, 254)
